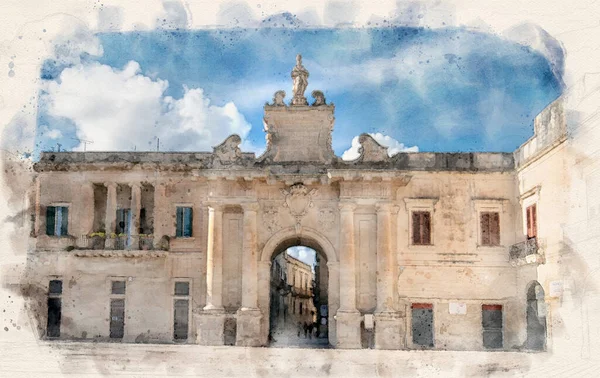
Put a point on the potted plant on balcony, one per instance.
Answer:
(97, 240)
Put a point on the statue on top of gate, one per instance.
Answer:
(300, 77)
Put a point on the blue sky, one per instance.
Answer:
(431, 89)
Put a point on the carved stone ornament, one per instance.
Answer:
(370, 150)
(319, 97)
(327, 218)
(300, 78)
(228, 152)
(271, 218)
(278, 99)
(298, 199)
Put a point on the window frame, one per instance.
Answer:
(60, 296)
(174, 298)
(57, 205)
(490, 206)
(489, 228)
(531, 226)
(111, 296)
(183, 228)
(414, 205)
(529, 198)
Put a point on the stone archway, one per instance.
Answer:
(278, 243)
(536, 317)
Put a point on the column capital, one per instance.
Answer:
(111, 184)
(135, 185)
(215, 206)
(250, 206)
(382, 207)
(347, 206)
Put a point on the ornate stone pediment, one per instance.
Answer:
(298, 199)
(228, 152)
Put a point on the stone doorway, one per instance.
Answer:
(298, 299)
(536, 317)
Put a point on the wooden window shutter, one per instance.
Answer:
(529, 222)
(50, 220)
(485, 231)
(416, 227)
(426, 217)
(533, 221)
(495, 229)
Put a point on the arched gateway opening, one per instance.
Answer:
(300, 291)
(536, 317)
(298, 299)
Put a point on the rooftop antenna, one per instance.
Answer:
(85, 143)
(157, 144)
(58, 145)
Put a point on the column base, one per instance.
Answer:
(389, 330)
(348, 329)
(210, 326)
(248, 327)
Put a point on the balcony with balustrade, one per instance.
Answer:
(525, 252)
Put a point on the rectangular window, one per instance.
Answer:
(54, 308)
(184, 222)
(531, 221)
(490, 229)
(55, 287)
(491, 318)
(422, 324)
(421, 227)
(182, 288)
(57, 220)
(118, 287)
(117, 318)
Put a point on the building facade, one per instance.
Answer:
(425, 250)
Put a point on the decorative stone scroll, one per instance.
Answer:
(370, 150)
(319, 98)
(228, 152)
(278, 99)
(298, 199)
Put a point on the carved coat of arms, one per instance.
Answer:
(298, 199)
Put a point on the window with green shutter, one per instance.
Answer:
(57, 220)
(184, 222)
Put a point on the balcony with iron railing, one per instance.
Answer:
(525, 252)
(97, 244)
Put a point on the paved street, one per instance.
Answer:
(137, 360)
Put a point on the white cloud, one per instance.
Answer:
(304, 254)
(122, 109)
(51, 133)
(385, 140)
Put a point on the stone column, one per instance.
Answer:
(347, 317)
(136, 207)
(214, 259)
(249, 315)
(211, 322)
(388, 324)
(110, 221)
